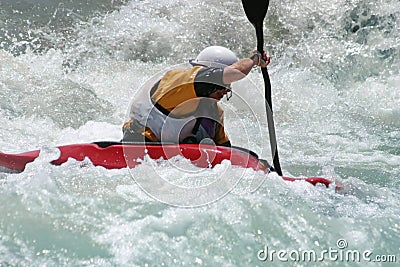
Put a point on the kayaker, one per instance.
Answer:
(182, 106)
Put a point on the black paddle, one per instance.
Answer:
(255, 11)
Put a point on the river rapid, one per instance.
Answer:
(70, 69)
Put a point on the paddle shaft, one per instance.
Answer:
(255, 12)
(271, 125)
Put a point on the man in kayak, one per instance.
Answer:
(182, 107)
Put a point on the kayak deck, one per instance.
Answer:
(117, 155)
(126, 155)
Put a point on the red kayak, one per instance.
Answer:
(114, 155)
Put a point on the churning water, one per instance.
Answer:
(68, 72)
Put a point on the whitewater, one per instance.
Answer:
(70, 69)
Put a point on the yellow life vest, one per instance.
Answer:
(170, 110)
(175, 92)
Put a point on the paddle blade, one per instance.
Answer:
(255, 10)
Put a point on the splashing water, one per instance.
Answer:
(69, 69)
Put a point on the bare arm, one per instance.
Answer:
(240, 69)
